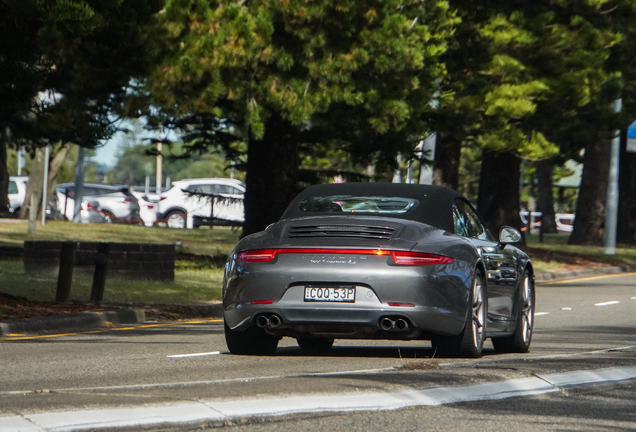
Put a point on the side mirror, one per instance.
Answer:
(509, 235)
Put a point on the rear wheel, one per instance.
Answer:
(314, 343)
(470, 342)
(519, 341)
(108, 217)
(253, 341)
(176, 220)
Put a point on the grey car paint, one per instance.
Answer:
(439, 291)
(437, 295)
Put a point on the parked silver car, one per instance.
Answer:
(116, 203)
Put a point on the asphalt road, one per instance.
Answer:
(582, 325)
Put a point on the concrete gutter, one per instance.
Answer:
(72, 322)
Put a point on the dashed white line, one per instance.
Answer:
(195, 354)
(566, 309)
(607, 303)
(541, 313)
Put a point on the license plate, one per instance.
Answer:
(345, 294)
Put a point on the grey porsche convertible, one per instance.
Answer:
(379, 261)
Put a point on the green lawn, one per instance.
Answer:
(195, 281)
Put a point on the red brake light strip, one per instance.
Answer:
(399, 257)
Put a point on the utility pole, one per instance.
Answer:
(159, 164)
(79, 186)
(21, 159)
(611, 212)
(45, 187)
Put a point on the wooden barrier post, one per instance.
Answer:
(99, 278)
(65, 274)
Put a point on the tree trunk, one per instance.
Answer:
(272, 171)
(498, 200)
(36, 180)
(545, 204)
(590, 205)
(626, 229)
(447, 155)
(4, 173)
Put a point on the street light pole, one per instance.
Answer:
(611, 208)
(159, 164)
(45, 187)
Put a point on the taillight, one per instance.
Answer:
(126, 200)
(162, 198)
(257, 255)
(418, 258)
(399, 257)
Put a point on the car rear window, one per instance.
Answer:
(357, 204)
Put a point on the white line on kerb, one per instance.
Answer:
(195, 354)
(541, 313)
(607, 303)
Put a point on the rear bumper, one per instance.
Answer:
(354, 323)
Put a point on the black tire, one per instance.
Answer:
(253, 341)
(176, 220)
(519, 341)
(470, 343)
(314, 343)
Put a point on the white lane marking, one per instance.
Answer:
(607, 303)
(481, 361)
(567, 309)
(221, 410)
(633, 298)
(541, 313)
(194, 354)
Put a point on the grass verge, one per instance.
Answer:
(197, 279)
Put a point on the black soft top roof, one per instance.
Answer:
(434, 208)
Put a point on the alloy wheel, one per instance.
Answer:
(478, 312)
(527, 309)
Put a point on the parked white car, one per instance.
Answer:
(179, 208)
(104, 203)
(17, 192)
(147, 207)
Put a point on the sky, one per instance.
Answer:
(106, 154)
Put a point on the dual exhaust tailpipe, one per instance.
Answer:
(269, 322)
(398, 325)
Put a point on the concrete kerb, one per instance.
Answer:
(89, 320)
(573, 274)
(72, 322)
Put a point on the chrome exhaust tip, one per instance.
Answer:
(401, 324)
(274, 321)
(262, 321)
(387, 324)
